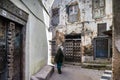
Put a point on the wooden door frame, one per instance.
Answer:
(8, 13)
(23, 51)
(95, 50)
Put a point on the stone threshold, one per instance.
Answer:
(44, 74)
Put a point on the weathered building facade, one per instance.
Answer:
(116, 40)
(81, 21)
(24, 38)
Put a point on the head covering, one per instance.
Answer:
(60, 46)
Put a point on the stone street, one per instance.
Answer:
(70, 72)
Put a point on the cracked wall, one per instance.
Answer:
(116, 40)
(86, 25)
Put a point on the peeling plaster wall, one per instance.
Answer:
(116, 40)
(86, 18)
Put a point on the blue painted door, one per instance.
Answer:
(102, 48)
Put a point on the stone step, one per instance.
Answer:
(108, 71)
(44, 73)
(107, 75)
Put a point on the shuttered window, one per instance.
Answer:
(73, 11)
(101, 29)
(98, 8)
(55, 17)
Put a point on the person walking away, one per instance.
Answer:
(59, 60)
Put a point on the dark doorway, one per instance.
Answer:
(3, 51)
(10, 50)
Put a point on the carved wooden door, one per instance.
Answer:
(68, 50)
(73, 51)
(10, 51)
(77, 51)
(14, 40)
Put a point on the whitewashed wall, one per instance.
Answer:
(37, 35)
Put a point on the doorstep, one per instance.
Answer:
(44, 73)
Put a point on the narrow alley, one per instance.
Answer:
(70, 72)
(59, 39)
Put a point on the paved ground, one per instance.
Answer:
(76, 73)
